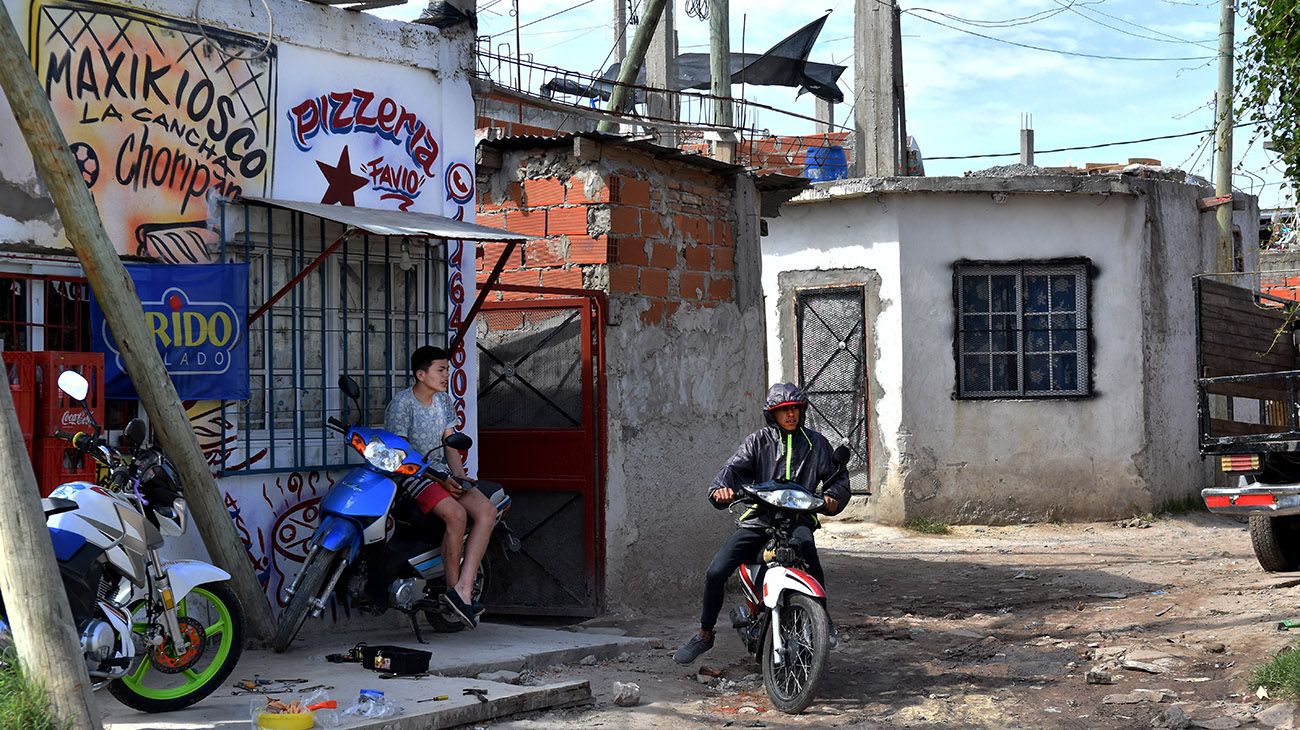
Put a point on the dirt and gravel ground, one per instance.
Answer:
(993, 627)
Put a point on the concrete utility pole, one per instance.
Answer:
(720, 62)
(875, 151)
(116, 295)
(35, 603)
(825, 115)
(631, 66)
(661, 73)
(1026, 139)
(1223, 258)
(620, 30)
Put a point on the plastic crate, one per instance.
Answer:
(21, 368)
(56, 462)
(56, 411)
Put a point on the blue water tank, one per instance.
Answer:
(825, 163)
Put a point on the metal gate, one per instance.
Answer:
(831, 337)
(539, 435)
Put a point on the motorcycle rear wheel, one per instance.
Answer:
(805, 634)
(140, 688)
(445, 625)
(310, 581)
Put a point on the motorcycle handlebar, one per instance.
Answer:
(336, 424)
(64, 435)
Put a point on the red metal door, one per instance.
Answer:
(539, 434)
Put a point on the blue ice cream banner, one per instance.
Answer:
(198, 314)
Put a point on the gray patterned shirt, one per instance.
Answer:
(422, 425)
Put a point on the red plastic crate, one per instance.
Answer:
(54, 410)
(21, 368)
(56, 462)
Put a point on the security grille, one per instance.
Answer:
(831, 327)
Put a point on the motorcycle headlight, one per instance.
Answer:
(382, 457)
(790, 499)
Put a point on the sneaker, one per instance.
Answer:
(834, 633)
(692, 649)
(462, 610)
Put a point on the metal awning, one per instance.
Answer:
(393, 222)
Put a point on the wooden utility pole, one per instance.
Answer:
(875, 103)
(627, 72)
(35, 603)
(116, 295)
(720, 62)
(1223, 258)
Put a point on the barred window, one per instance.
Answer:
(1023, 330)
(361, 312)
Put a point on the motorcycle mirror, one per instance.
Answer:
(136, 431)
(458, 441)
(74, 385)
(349, 387)
(840, 456)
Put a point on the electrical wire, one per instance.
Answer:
(1079, 54)
(698, 9)
(1168, 38)
(547, 17)
(1092, 146)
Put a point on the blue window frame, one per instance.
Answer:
(1023, 329)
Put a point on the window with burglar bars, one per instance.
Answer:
(1023, 330)
(831, 326)
(360, 313)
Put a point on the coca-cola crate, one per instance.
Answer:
(56, 411)
(21, 368)
(56, 462)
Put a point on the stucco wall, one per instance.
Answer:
(857, 234)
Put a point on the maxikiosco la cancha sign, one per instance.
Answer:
(198, 314)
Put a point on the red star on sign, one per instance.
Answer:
(342, 181)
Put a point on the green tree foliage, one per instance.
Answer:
(1268, 76)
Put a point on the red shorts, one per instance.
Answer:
(430, 496)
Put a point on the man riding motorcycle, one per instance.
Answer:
(785, 451)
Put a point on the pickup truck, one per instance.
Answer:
(1249, 416)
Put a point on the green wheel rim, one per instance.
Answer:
(135, 680)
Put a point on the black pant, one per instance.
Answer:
(742, 547)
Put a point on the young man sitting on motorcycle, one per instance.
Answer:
(785, 451)
(425, 415)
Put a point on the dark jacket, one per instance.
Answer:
(762, 456)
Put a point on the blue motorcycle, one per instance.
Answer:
(351, 554)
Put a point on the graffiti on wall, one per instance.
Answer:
(160, 115)
(275, 516)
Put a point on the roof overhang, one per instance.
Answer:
(393, 222)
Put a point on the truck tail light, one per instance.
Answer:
(1218, 500)
(1255, 500)
(1239, 462)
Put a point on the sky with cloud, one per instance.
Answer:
(967, 83)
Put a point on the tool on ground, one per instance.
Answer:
(481, 694)
(439, 698)
(394, 675)
(1288, 623)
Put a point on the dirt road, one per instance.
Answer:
(995, 627)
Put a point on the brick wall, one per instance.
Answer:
(657, 231)
(783, 155)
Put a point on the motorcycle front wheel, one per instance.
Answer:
(164, 680)
(805, 636)
(310, 581)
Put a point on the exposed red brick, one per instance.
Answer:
(724, 259)
(525, 278)
(588, 250)
(569, 278)
(491, 220)
(663, 255)
(632, 191)
(492, 252)
(692, 285)
(543, 253)
(544, 191)
(670, 308)
(651, 224)
(720, 289)
(654, 313)
(514, 196)
(531, 223)
(567, 221)
(654, 282)
(631, 251)
(578, 192)
(697, 258)
(623, 279)
(624, 220)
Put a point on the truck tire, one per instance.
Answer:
(1276, 541)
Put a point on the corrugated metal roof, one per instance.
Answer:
(394, 222)
(659, 152)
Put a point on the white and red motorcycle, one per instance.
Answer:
(160, 635)
(783, 620)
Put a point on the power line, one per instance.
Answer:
(1167, 37)
(548, 17)
(1091, 146)
(1050, 50)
